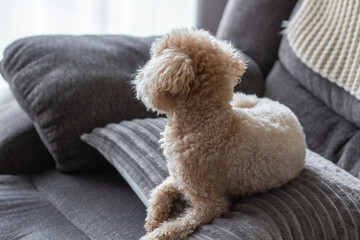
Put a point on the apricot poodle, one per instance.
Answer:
(218, 145)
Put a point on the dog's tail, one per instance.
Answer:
(241, 100)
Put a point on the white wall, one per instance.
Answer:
(22, 18)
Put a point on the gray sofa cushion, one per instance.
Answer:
(252, 82)
(21, 149)
(322, 203)
(70, 84)
(254, 27)
(327, 133)
(55, 206)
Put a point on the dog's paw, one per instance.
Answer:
(144, 238)
(156, 235)
(149, 236)
(154, 219)
(150, 225)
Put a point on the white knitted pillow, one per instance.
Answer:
(325, 35)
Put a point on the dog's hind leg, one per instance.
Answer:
(160, 203)
(194, 216)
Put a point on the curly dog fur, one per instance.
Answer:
(218, 144)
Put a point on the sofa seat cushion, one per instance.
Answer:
(327, 133)
(52, 205)
(321, 203)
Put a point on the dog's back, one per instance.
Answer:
(267, 148)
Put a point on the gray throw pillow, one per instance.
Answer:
(322, 203)
(70, 84)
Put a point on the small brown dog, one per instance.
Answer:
(218, 145)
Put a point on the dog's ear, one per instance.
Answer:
(163, 79)
(177, 73)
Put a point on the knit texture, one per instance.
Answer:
(325, 35)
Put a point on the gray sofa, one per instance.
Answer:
(54, 186)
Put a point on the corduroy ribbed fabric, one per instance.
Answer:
(325, 35)
(321, 203)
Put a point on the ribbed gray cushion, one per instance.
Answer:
(322, 203)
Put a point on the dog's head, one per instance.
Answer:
(188, 65)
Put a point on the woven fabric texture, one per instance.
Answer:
(322, 203)
(83, 206)
(325, 35)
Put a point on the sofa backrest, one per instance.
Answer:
(254, 26)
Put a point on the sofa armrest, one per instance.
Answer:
(21, 150)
